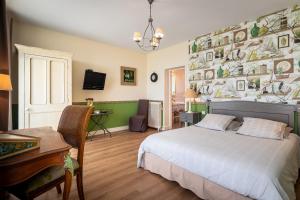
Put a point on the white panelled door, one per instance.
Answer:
(47, 89)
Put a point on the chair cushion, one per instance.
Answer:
(43, 178)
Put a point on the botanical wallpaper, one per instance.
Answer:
(257, 60)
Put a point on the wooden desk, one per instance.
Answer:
(53, 148)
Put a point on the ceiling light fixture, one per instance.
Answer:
(151, 38)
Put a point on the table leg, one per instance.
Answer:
(68, 184)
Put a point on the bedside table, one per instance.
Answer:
(190, 118)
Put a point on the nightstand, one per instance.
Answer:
(190, 118)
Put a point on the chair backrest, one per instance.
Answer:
(143, 107)
(73, 127)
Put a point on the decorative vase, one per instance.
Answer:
(263, 30)
(194, 48)
(255, 31)
(220, 72)
(226, 73)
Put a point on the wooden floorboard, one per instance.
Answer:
(110, 173)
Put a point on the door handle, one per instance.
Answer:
(28, 109)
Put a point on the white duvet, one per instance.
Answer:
(254, 167)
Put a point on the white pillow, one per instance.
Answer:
(262, 128)
(216, 121)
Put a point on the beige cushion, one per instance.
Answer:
(216, 121)
(43, 178)
(262, 128)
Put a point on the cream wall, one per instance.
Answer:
(159, 61)
(89, 54)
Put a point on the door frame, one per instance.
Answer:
(167, 109)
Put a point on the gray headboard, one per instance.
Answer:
(276, 112)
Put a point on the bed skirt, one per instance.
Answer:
(202, 187)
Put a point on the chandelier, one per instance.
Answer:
(151, 37)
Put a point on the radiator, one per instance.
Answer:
(155, 115)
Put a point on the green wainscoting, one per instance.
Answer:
(199, 107)
(121, 112)
(15, 114)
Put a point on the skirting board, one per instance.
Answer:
(112, 130)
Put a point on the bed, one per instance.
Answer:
(218, 165)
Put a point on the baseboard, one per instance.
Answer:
(112, 130)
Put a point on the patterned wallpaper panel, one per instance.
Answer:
(257, 60)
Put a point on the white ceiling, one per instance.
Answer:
(114, 21)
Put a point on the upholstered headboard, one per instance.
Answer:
(276, 112)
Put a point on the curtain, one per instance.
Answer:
(4, 67)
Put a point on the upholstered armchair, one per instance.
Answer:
(139, 122)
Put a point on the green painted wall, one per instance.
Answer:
(199, 107)
(122, 111)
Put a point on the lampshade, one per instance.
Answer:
(159, 33)
(154, 42)
(189, 93)
(5, 83)
(137, 36)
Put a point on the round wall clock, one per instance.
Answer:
(153, 77)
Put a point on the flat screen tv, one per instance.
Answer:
(93, 80)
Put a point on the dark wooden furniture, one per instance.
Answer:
(190, 118)
(73, 127)
(53, 148)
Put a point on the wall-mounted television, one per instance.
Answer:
(93, 80)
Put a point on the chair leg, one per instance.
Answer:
(58, 189)
(80, 185)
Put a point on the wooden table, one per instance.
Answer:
(53, 148)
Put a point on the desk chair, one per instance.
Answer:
(72, 125)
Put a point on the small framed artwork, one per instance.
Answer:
(209, 74)
(209, 56)
(240, 85)
(240, 35)
(254, 83)
(283, 41)
(284, 66)
(128, 76)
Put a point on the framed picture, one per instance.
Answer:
(283, 41)
(240, 35)
(128, 76)
(284, 66)
(209, 74)
(240, 85)
(209, 56)
(254, 83)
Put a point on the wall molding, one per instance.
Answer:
(105, 102)
(112, 130)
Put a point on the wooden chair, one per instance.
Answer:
(72, 125)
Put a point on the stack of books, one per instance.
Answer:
(13, 144)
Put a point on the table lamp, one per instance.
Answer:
(5, 83)
(190, 94)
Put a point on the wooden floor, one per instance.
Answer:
(110, 173)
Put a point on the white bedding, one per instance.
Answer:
(254, 167)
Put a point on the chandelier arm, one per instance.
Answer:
(146, 31)
(152, 29)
